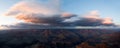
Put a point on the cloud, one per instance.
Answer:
(50, 14)
(36, 12)
(34, 7)
(38, 18)
(91, 19)
(67, 15)
(107, 20)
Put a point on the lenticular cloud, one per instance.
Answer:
(37, 12)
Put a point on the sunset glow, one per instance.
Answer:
(5, 20)
(58, 13)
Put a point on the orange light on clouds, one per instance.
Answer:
(107, 20)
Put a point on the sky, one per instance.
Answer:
(106, 8)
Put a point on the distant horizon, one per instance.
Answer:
(77, 27)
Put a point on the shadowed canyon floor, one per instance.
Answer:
(60, 38)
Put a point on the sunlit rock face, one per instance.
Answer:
(58, 38)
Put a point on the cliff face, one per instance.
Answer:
(53, 38)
